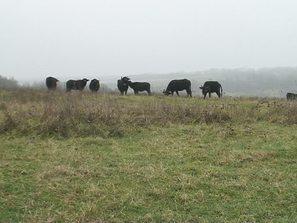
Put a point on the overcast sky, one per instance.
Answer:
(76, 38)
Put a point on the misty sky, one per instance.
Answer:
(87, 38)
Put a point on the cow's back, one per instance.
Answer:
(212, 85)
(179, 85)
(141, 86)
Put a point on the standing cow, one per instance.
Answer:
(212, 87)
(291, 96)
(123, 85)
(178, 85)
(76, 84)
(94, 85)
(138, 86)
(51, 83)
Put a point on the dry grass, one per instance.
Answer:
(83, 114)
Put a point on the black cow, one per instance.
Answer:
(51, 83)
(291, 96)
(123, 85)
(76, 84)
(94, 85)
(210, 87)
(138, 86)
(178, 85)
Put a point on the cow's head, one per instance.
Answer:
(85, 80)
(165, 92)
(125, 79)
(204, 89)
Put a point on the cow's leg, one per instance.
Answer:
(177, 93)
(205, 95)
(209, 94)
(149, 92)
(135, 92)
(218, 93)
(172, 93)
(189, 92)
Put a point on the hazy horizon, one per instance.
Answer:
(206, 74)
(71, 39)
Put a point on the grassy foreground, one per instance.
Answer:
(105, 158)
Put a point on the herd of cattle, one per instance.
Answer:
(124, 83)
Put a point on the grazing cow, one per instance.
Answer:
(138, 86)
(291, 96)
(51, 83)
(123, 85)
(210, 87)
(178, 85)
(76, 84)
(94, 85)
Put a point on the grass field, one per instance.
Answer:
(109, 158)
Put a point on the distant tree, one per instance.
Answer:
(105, 89)
(37, 85)
(8, 83)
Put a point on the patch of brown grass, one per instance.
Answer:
(84, 114)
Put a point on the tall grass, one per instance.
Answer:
(83, 114)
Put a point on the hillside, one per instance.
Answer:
(264, 82)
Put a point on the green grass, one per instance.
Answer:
(239, 169)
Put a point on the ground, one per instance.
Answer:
(230, 160)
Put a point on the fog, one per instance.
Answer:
(110, 38)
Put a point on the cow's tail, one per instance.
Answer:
(221, 91)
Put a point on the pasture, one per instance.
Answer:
(85, 157)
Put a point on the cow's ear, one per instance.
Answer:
(201, 87)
